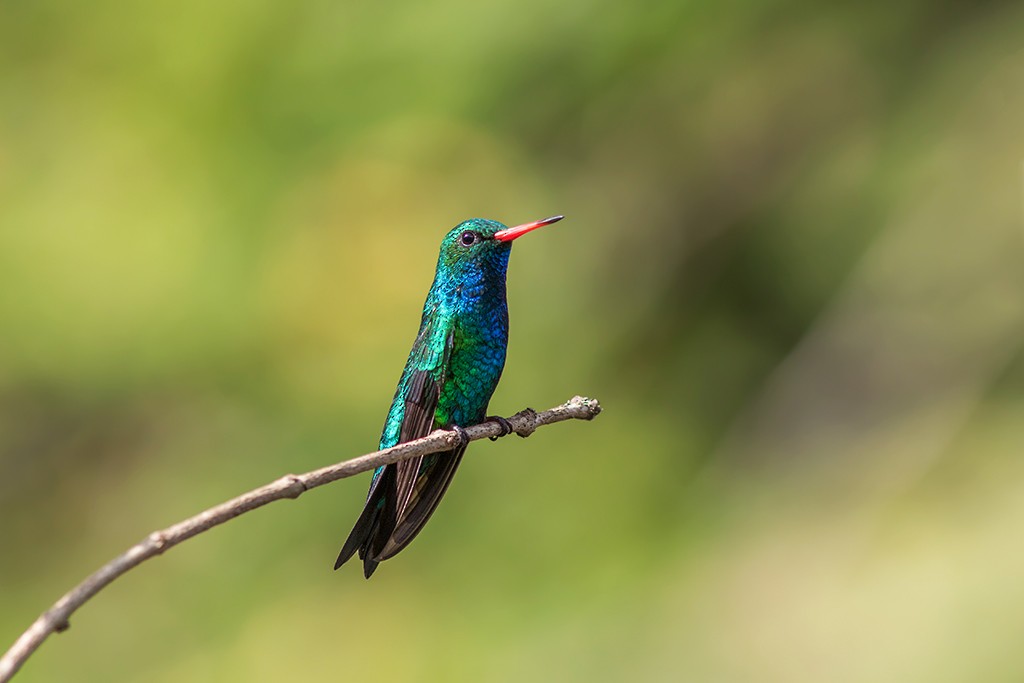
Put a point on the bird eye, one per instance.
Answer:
(468, 238)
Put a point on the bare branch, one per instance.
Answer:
(55, 619)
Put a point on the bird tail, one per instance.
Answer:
(375, 524)
(383, 530)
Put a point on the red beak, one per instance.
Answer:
(509, 234)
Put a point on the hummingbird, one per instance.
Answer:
(453, 368)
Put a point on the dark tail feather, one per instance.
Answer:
(360, 533)
(369, 567)
(375, 524)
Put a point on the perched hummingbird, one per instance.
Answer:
(453, 368)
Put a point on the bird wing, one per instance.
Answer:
(420, 403)
(393, 487)
(417, 480)
(420, 482)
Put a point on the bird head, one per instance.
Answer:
(474, 258)
(480, 247)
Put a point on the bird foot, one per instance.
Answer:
(463, 436)
(506, 426)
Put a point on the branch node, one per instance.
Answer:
(296, 486)
(159, 541)
(528, 417)
(61, 626)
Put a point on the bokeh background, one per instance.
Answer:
(790, 271)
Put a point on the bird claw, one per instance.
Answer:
(506, 426)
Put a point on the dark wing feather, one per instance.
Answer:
(422, 481)
(420, 404)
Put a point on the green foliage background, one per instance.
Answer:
(791, 272)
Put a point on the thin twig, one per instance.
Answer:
(55, 619)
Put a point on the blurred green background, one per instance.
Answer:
(790, 271)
